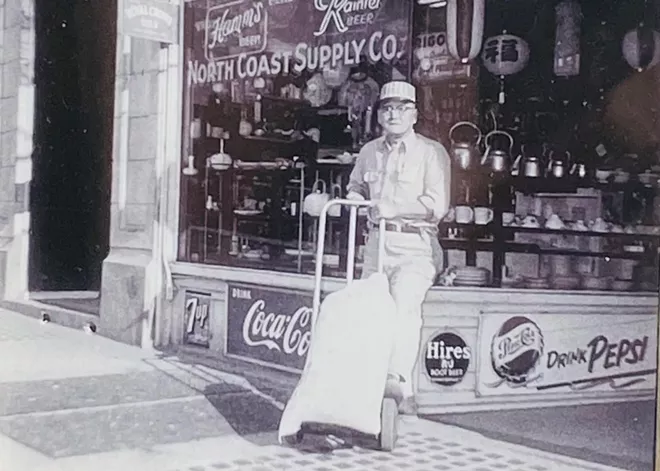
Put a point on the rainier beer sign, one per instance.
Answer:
(268, 325)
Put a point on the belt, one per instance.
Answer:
(397, 228)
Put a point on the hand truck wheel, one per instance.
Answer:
(293, 440)
(389, 418)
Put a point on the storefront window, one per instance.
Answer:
(279, 98)
(545, 113)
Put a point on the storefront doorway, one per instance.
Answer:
(71, 179)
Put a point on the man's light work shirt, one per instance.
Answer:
(418, 169)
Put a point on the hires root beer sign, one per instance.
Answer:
(268, 325)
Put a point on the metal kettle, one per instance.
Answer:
(464, 152)
(499, 159)
(579, 170)
(557, 167)
(531, 165)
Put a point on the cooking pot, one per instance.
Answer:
(499, 159)
(314, 202)
(464, 152)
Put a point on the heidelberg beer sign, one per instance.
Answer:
(268, 325)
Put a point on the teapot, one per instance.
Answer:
(314, 202)
(579, 170)
(335, 192)
(531, 167)
(462, 152)
(499, 159)
(557, 167)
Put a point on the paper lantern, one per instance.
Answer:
(505, 54)
(641, 48)
(465, 28)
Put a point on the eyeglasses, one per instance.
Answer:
(398, 109)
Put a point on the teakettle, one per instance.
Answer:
(335, 191)
(464, 153)
(499, 159)
(314, 202)
(531, 165)
(579, 170)
(557, 167)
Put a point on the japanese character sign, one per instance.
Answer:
(505, 54)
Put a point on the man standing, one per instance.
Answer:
(408, 178)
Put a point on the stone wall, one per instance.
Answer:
(17, 47)
(124, 308)
(146, 129)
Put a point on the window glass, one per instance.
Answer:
(279, 97)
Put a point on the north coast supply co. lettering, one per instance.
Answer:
(378, 47)
(247, 30)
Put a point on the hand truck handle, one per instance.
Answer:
(352, 230)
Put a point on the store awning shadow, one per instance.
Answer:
(251, 416)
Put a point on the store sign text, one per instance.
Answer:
(236, 26)
(378, 47)
(344, 14)
(513, 344)
(225, 26)
(197, 311)
(607, 352)
(154, 20)
(152, 13)
(287, 333)
(601, 352)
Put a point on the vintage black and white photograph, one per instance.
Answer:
(329, 235)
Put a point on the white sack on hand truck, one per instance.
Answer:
(343, 382)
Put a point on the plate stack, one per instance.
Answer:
(472, 276)
(537, 283)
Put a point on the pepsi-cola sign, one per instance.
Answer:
(571, 352)
(517, 349)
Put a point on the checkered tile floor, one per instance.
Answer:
(415, 452)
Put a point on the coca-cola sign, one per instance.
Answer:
(268, 325)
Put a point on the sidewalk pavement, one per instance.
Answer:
(71, 401)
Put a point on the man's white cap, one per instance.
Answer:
(398, 90)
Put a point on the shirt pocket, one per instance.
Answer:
(374, 181)
(410, 182)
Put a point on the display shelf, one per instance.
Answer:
(271, 139)
(531, 185)
(570, 232)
